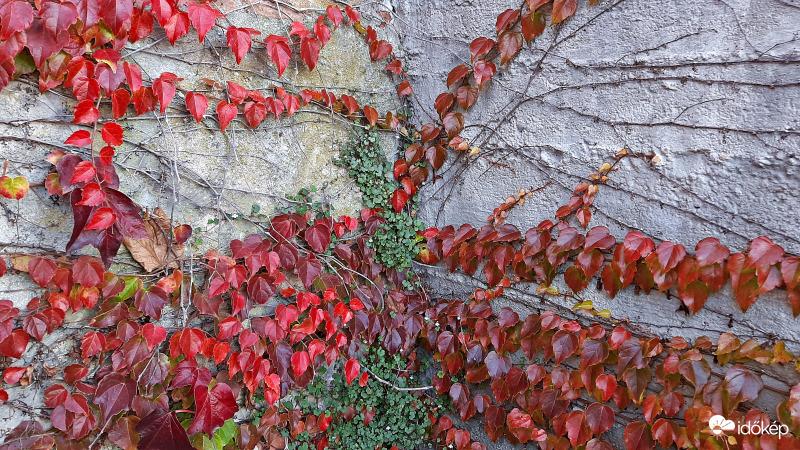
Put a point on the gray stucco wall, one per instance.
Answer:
(711, 87)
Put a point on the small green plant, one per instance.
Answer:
(395, 241)
(383, 415)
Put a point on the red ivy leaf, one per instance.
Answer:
(226, 112)
(14, 345)
(335, 14)
(279, 52)
(92, 343)
(399, 200)
(177, 27)
(164, 89)
(214, 407)
(80, 138)
(103, 218)
(114, 394)
(379, 50)
(457, 74)
(351, 370)
(197, 104)
(112, 133)
(160, 429)
(562, 10)
(15, 16)
(85, 112)
(240, 40)
(203, 17)
(309, 52)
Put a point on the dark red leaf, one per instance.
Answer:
(214, 407)
(160, 429)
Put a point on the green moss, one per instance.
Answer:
(395, 241)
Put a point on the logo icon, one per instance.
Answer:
(719, 424)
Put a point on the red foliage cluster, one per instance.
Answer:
(134, 375)
(545, 249)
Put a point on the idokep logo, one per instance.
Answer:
(720, 425)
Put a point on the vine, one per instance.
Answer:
(327, 307)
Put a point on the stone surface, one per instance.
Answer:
(711, 87)
(703, 85)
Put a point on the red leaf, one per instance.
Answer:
(203, 17)
(349, 103)
(228, 328)
(457, 74)
(379, 50)
(123, 433)
(562, 10)
(226, 112)
(318, 237)
(92, 343)
(40, 42)
(399, 200)
(335, 14)
(466, 96)
(164, 89)
(115, 13)
(103, 218)
(309, 52)
(599, 418)
(177, 27)
(564, 345)
(214, 407)
(112, 133)
(240, 40)
(396, 66)
(255, 113)
(371, 114)
(153, 334)
(80, 138)
(483, 71)
(637, 434)
(114, 394)
(763, 252)
(607, 385)
(532, 25)
(85, 112)
(322, 32)
(505, 19)
(300, 362)
(14, 345)
(141, 25)
(352, 14)
(13, 374)
(88, 271)
(160, 429)
(351, 370)
(480, 47)
(84, 171)
(509, 43)
(279, 52)
(15, 16)
(404, 88)
(308, 269)
(197, 104)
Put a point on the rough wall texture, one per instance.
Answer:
(712, 87)
(196, 174)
